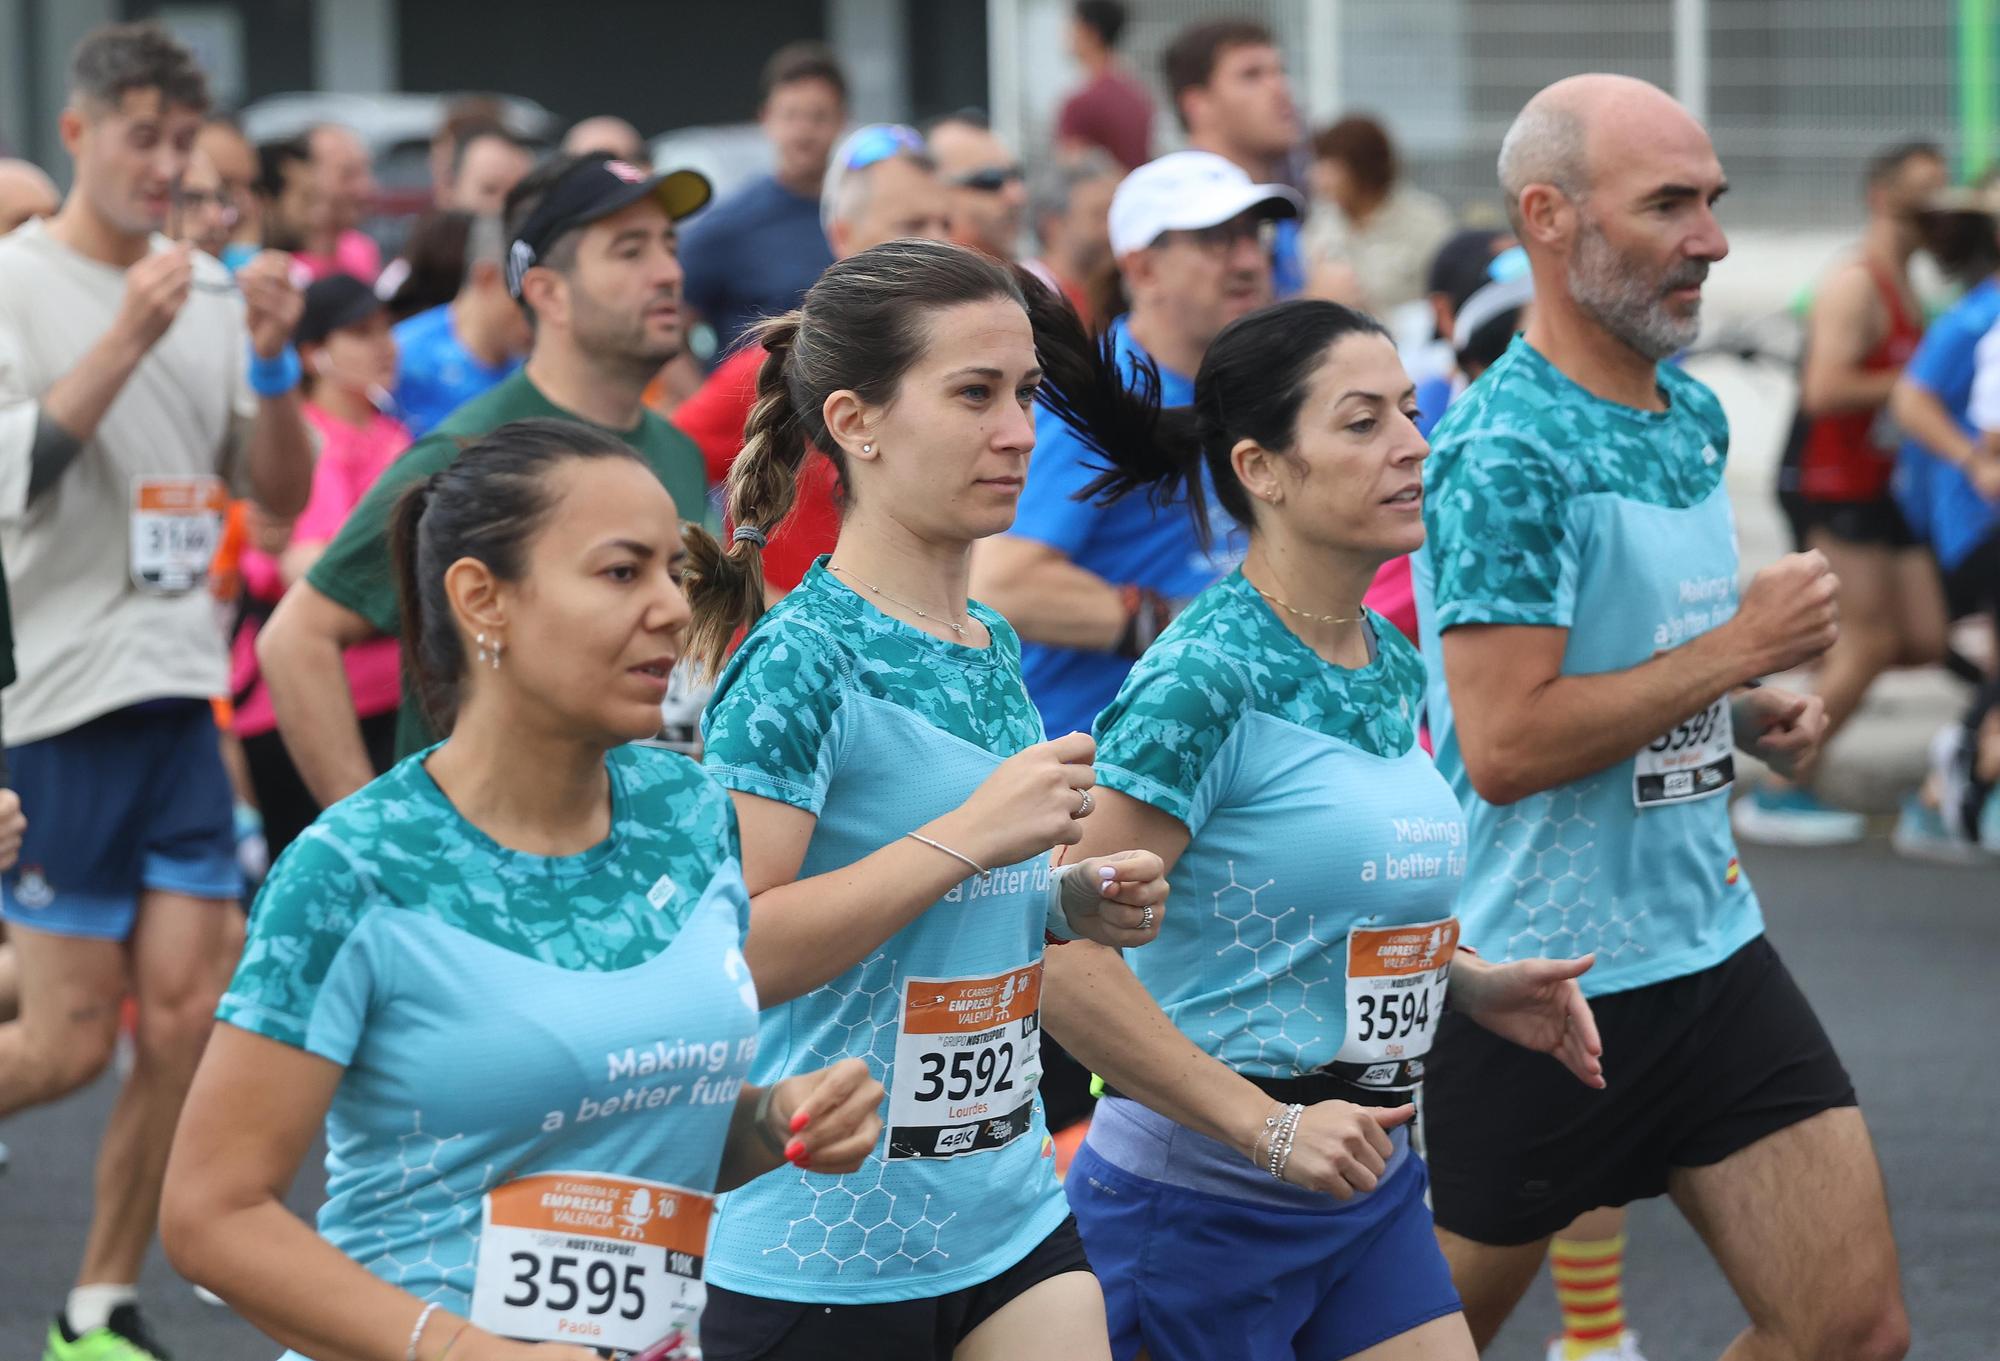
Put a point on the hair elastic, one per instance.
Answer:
(751, 534)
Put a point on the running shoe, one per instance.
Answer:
(1787, 815)
(1626, 1348)
(1923, 834)
(124, 1338)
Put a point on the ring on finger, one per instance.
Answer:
(1146, 918)
(1083, 809)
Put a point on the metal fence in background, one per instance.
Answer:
(1797, 93)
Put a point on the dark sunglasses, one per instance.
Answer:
(1225, 235)
(990, 179)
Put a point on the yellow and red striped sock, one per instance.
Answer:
(1590, 1287)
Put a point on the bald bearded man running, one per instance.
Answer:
(1597, 670)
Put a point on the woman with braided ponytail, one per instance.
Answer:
(899, 802)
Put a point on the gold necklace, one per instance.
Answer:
(1307, 614)
(958, 629)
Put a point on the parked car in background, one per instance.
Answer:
(730, 154)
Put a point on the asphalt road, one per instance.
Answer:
(1903, 961)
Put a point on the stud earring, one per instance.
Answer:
(868, 448)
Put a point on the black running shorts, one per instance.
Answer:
(1879, 522)
(748, 1328)
(1698, 1068)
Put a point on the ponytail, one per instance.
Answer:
(725, 582)
(1253, 382)
(859, 329)
(431, 663)
(1117, 414)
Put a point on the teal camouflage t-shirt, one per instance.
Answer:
(1548, 506)
(1317, 827)
(501, 1015)
(876, 728)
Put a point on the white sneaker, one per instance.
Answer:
(1625, 1349)
(209, 1297)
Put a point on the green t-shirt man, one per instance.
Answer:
(356, 571)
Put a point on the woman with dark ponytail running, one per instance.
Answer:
(898, 802)
(507, 976)
(1247, 1188)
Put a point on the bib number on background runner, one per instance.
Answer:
(176, 528)
(1396, 982)
(591, 1259)
(968, 1062)
(1696, 759)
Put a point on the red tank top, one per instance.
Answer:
(1851, 455)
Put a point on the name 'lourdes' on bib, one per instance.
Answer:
(968, 1063)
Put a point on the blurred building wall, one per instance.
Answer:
(1798, 92)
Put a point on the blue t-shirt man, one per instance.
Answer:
(436, 374)
(1128, 543)
(753, 255)
(1937, 497)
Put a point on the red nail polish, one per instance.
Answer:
(801, 1120)
(795, 1151)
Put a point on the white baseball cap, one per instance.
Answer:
(1186, 191)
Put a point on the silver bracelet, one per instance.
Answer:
(956, 855)
(1281, 1141)
(416, 1333)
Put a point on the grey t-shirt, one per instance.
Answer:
(107, 570)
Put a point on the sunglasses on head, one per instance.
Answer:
(989, 179)
(880, 141)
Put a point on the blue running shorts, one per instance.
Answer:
(1191, 1276)
(137, 799)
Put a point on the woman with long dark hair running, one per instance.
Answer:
(506, 977)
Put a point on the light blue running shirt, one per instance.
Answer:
(1320, 835)
(1311, 811)
(500, 1016)
(1551, 507)
(876, 728)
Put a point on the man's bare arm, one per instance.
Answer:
(1046, 597)
(1845, 324)
(299, 652)
(1524, 727)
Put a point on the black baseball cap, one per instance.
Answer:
(591, 190)
(337, 301)
(1459, 269)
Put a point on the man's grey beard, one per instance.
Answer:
(1624, 302)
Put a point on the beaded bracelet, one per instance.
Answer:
(417, 1333)
(1282, 1136)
